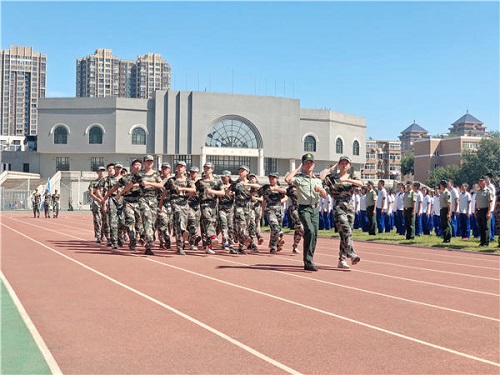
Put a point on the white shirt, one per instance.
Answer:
(420, 202)
(362, 202)
(493, 190)
(454, 195)
(463, 203)
(435, 205)
(382, 193)
(390, 203)
(426, 204)
(399, 201)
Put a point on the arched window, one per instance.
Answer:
(339, 146)
(233, 132)
(355, 148)
(138, 136)
(61, 135)
(95, 136)
(310, 144)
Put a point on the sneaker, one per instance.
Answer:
(120, 243)
(98, 240)
(279, 248)
(209, 250)
(248, 241)
(343, 265)
(109, 244)
(148, 252)
(233, 251)
(193, 247)
(295, 250)
(115, 246)
(355, 259)
(242, 250)
(181, 252)
(214, 240)
(226, 245)
(281, 241)
(261, 240)
(272, 251)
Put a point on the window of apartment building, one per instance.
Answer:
(470, 145)
(26, 167)
(394, 146)
(310, 144)
(355, 148)
(370, 155)
(61, 135)
(96, 162)
(369, 166)
(339, 146)
(138, 136)
(95, 135)
(62, 163)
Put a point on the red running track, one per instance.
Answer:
(401, 310)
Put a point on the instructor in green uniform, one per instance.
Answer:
(309, 190)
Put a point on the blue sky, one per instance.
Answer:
(391, 62)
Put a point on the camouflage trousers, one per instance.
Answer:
(148, 206)
(97, 220)
(296, 224)
(274, 217)
(131, 214)
(46, 209)
(193, 221)
(164, 224)
(255, 219)
(208, 221)
(225, 222)
(113, 221)
(180, 221)
(36, 210)
(343, 215)
(55, 209)
(241, 223)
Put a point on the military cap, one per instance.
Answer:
(136, 160)
(409, 183)
(101, 168)
(118, 165)
(244, 167)
(370, 183)
(194, 169)
(483, 177)
(274, 174)
(443, 182)
(226, 173)
(180, 162)
(166, 165)
(149, 158)
(344, 157)
(208, 165)
(307, 157)
(252, 174)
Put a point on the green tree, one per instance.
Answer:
(450, 172)
(485, 160)
(407, 164)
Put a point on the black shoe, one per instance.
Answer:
(149, 252)
(310, 267)
(120, 243)
(242, 251)
(115, 246)
(109, 244)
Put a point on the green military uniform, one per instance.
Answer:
(308, 200)
(148, 205)
(208, 208)
(225, 215)
(96, 211)
(131, 210)
(483, 199)
(46, 203)
(242, 199)
(370, 199)
(55, 205)
(409, 201)
(444, 211)
(110, 219)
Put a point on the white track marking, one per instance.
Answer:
(47, 355)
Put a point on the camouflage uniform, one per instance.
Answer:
(55, 205)
(208, 208)
(274, 215)
(36, 200)
(110, 219)
(131, 210)
(164, 221)
(194, 216)
(46, 204)
(343, 212)
(293, 216)
(225, 216)
(148, 204)
(180, 209)
(255, 218)
(241, 212)
(96, 211)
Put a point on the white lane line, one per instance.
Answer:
(372, 292)
(47, 355)
(357, 322)
(363, 271)
(169, 308)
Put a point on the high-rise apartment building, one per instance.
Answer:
(104, 75)
(22, 83)
(383, 160)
